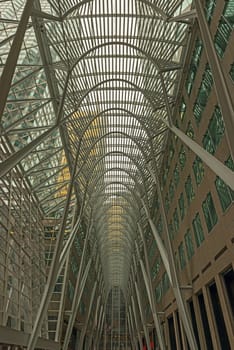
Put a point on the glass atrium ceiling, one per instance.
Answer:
(97, 79)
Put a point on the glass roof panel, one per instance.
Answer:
(100, 72)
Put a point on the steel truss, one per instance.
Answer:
(87, 103)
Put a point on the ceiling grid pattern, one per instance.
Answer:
(112, 57)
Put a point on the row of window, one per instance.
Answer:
(211, 312)
(211, 219)
(225, 28)
(203, 94)
(226, 197)
(195, 60)
(162, 287)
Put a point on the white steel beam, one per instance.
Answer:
(149, 288)
(182, 308)
(11, 61)
(54, 269)
(84, 329)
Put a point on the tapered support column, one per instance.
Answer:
(223, 94)
(53, 272)
(160, 245)
(130, 332)
(99, 334)
(11, 62)
(64, 288)
(213, 163)
(183, 311)
(59, 325)
(142, 316)
(77, 295)
(133, 317)
(99, 324)
(94, 324)
(84, 329)
(75, 304)
(136, 317)
(149, 289)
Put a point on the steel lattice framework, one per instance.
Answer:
(87, 105)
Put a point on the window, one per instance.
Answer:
(209, 9)
(82, 308)
(190, 131)
(193, 66)
(209, 212)
(225, 27)
(165, 175)
(182, 110)
(215, 132)
(71, 290)
(171, 230)
(177, 126)
(231, 72)
(219, 317)
(205, 322)
(189, 190)
(198, 230)
(158, 292)
(229, 163)
(48, 256)
(58, 285)
(229, 284)
(182, 206)
(171, 191)
(176, 175)
(189, 244)
(172, 334)
(182, 256)
(171, 153)
(226, 195)
(176, 220)
(165, 283)
(167, 203)
(203, 94)
(159, 226)
(182, 157)
(155, 268)
(198, 170)
(152, 250)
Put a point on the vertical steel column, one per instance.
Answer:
(183, 311)
(84, 329)
(59, 325)
(130, 331)
(94, 324)
(149, 289)
(99, 325)
(99, 334)
(142, 315)
(11, 62)
(136, 321)
(133, 316)
(119, 319)
(64, 288)
(76, 299)
(223, 94)
(160, 245)
(53, 272)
